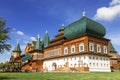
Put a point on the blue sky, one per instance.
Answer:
(27, 18)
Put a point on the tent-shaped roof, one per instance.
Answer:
(38, 45)
(46, 40)
(17, 48)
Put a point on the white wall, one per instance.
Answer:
(98, 64)
(80, 60)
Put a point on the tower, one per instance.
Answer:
(38, 45)
(16, 51)
(46, 40)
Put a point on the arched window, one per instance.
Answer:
(98, 49)
(73, 49)
(105, 49)
(66, 50)
(91, 47)
(81, 47)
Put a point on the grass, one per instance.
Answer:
(61, 76)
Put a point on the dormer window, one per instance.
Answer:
(98, 49)
(81, 47)
(66, 50)
(105, 49)
(91, 47)
(73, 49)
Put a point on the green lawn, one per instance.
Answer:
(61, 76)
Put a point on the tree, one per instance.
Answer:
(4, 36)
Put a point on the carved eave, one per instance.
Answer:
(57, 43)
(81, 53)
(57, 39)
(60, 34)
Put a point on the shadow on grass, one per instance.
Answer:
(6, 78)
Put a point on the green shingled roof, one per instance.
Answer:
(17, 48)
(26, 57)
(46, 40)
(112, 49)
(84, 26)
(38, 45)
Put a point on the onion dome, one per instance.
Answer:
(84, 26)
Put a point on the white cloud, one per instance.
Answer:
(20, 33)
(114, 2)
(33, 38)
(115, 39)
(109, 13)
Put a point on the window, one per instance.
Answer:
(84, 63)
(107, 59)
(64, 59)
(81, 47)
(96, 58)
(90, 64)
(93, 57)
(65, 50)
(89, 57)
(91, 47)
(107, 64)
(97, 64)
(75, 58)
(73, 49)
(84, 57)
(104, 59)
(105, 49)
(79, 57)
(98, 49)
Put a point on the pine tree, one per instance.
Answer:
(4, 36)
